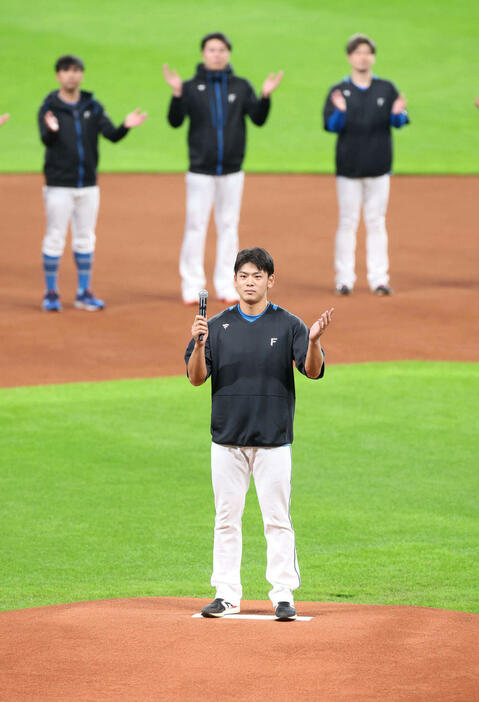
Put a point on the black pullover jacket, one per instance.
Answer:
(216, 103)
(364, 146)
(71, 156)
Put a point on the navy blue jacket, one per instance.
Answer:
(71, 156)
(216, 103)
(364, 145)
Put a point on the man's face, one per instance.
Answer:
(216, 55)
(252, 284)
(70, 78)
(362, 58)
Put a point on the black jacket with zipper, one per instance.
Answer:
(71, 156)
(216, 103)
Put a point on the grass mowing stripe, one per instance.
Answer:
(106, 489)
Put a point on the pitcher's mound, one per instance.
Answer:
(154, 649)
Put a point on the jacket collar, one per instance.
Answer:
(85, 99)
(202, 73)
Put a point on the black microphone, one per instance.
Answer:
(203, 296)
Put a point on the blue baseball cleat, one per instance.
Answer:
(51, 302)
(87, 301)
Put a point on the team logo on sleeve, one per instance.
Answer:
(225, 326)
(380, 102)
(201, 87)
(274, 339)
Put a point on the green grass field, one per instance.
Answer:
(428, 48)
(106, 490)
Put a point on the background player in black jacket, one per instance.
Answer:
(216, 102)
(362, 109)
(249, 350)
(70, 121)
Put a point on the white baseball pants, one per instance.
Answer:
(76, 205)
(372, 194)
(225, 191)
(231, 468)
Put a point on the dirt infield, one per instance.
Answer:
(143, 333)
(151, 649)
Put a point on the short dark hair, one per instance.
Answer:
(68, 60)
(260, 257)
(358, 39)
(216, 35)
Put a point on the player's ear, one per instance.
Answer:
(271, 280)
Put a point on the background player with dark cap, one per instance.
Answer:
(249, 350)
(216, 102)
(362, 109)
(70, 121)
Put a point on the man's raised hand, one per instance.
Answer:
(3, 118)
(51, 121)
(200, 326)
(399, 105)
(338, 100)
(271, 83)
(320, 325)
(173, 80)
(135, 118)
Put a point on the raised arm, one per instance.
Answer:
(49, 127)
(399, 115)
(257, 108)
(197, 369)
(114, 134)
(335, 112)
(177, 110)
(314, 356)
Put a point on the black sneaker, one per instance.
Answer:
(383, 290)
(343, 290)
(285, 612)
(218, 608)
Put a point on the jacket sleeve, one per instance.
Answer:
(402, 118)
(107, 128)
(177, 111)
(257, 108)
(334, 119)
(46, 135)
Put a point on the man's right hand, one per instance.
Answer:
(51, 121)
(173, 80)
(200, 326)
(3, 118)
(339, 101)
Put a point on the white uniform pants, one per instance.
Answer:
(231, 468)
(372, 194)
(202, 191)
(78, 205)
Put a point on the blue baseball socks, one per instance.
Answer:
(84, 263)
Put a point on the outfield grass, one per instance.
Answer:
(429, 48)
(106, 490)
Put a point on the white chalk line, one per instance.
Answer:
(253, 616)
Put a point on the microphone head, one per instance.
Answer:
(203, 294)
